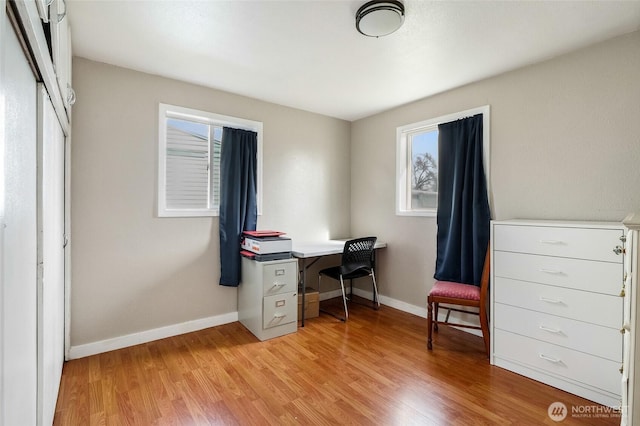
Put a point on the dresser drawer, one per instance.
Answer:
(569, 364)
(280, 278)
(579, 305)
(594, 339)
(599, 277)
(579, 243)
(279, 309)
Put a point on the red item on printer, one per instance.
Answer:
(259, 234)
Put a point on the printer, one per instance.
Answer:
(265, 245)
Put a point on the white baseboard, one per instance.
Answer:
(81, 351)
(331, 294)
(420, 311)
(402, 306)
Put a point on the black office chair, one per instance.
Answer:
(357, 262)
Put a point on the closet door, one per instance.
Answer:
(51, 157)
(18, 304)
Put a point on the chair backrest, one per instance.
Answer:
(358, 254)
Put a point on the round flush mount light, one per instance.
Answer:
(379, 18)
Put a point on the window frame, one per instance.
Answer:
(404, 161)
(166, 111)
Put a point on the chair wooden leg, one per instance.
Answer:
(435, 313)
(484, 325)
(429, 323)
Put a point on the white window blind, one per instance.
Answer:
(188, 163)
(190, 143)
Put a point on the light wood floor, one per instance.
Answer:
(373, 370)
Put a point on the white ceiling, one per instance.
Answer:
(308, 55)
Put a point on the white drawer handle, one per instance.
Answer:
(276, 286)
(277, 318)
(550, 359)
(551, 242)
(546, 299)
(550, 330)
(550, 271)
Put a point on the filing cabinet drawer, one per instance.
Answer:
(267, 297)
(579, 305)
(599, 277)
(596, 340)
(280, 309)
(569, 364)
(579, 243)
(280, 277)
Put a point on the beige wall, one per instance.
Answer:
(132, 271)
(565, 144)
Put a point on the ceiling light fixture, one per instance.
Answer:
(379, 18)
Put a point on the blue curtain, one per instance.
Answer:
(463, 205)
(238, 205)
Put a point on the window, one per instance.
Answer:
(190, 143)
(417, 163)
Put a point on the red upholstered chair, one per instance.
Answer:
(450, 293)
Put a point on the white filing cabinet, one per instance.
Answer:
(556, 305)
(268, 298)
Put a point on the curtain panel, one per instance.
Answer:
(463, 206)
(238, 199)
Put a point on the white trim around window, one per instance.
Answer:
(403, 162)
(210, 208)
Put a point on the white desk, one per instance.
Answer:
(310, 252)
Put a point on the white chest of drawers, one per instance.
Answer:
(556, 305)
(268, 297)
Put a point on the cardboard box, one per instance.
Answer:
(311, 301)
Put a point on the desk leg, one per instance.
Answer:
(303, 280)
(376, 302)
(303, 275)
